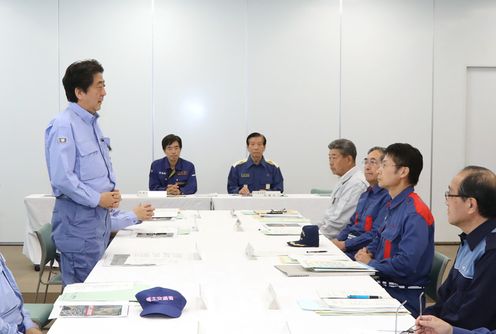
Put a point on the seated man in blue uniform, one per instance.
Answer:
(172, 173)
(371, 206)
(81, 173)
(403, 250)
(14, 318)
(466, 298)
(429, 324)
(347, 191)
(254, 173)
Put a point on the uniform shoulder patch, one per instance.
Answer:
(272, 162)
(239, 162)
(422, 209)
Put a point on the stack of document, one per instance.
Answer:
(96, 299)
(363, 306)
(326, 263)
(165, 214)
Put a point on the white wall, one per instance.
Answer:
(28, 97)
(212, 71)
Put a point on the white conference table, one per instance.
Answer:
(39, 209)
(226, 291)
(311, 206)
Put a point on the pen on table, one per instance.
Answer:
(363, 297)
(317, 251)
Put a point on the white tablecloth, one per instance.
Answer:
(226, 291)
(40, 207)
(310, 206)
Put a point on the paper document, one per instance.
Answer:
(384, 305)
(83, 311)
(112, 291)
(316, 263)
(165, 213)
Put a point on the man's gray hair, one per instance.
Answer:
(345, 146)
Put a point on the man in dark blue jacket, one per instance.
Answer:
(402, 252)
(172, 173)
(466, 298)
(254, 173)
(371, 206)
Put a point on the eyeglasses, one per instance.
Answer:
(448, 195)
(371, 162)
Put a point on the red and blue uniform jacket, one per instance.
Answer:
(366, 220)
(404, 248)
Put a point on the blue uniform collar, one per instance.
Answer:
(376, 189)
(475, 237)
(401, 197)
(249, 162)
(179, 164)
(84, 114)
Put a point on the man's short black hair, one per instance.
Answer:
(480, 183)
(345, 146)
(380, 149)
(405, 155)
(254, 135)
(169, 139)
(80, 75)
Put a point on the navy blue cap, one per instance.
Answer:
(309, 237)
(161, 301)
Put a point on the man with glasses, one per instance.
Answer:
(403, 250)
(466, 298)
(365, 221)
(351, 184)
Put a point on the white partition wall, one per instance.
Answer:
(386, 77)
(118, 34)
(199, 84)
(28, 95)
(464, 39)
(293, 86)
(212, 71)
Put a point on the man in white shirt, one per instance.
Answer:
(351, 184)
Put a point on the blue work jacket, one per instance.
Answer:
(263, 176)
(184, 175)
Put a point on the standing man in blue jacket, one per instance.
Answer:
(254, 173)
(172, 173)
(366, 220)
(81, 174)
(402, 252)
(466, 298)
